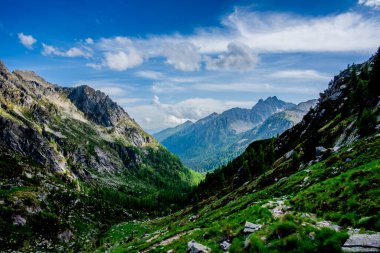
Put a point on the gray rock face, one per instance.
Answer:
(362, 243)
(28, 142)
(97, 106)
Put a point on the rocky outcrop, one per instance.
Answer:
(362, 243)
(97, 106)
(100, 109)
(194, 247)
(250, 227)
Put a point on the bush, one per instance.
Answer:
(256, 245)
(282, 229)
(329, 240)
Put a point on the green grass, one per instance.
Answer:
(343, 191)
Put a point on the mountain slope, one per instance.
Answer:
(204, 145)
(278, 123)
(73, 162)
(306, 191)
(164, 134)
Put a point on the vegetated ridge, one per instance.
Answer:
(73, 162)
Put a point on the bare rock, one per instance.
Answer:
(362, 243)
(250, 227)
(194, 247)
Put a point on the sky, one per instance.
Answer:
(169, 61)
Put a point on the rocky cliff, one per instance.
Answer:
(72, 160)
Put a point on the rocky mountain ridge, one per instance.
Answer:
(75, 145)
(224, 136)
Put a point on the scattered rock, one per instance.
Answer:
(18, 220)
(194, 247)
(193, 218)
(249, 227)
(289, 154)
(225, 245)
(66, 236)
(320, 151)
(328, 224)
(362, 243)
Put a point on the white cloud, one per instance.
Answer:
(162, 115)
(89, 41)
(238, 57)
(183, 56)
(148, 74)
(301, 74)
(235, 44)
(121, 60)
(371, 3)
(26, 40)
(72, 52)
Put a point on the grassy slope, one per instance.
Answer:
(342, 188)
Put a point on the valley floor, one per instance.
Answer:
(315, 209)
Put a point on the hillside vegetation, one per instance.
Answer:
(72, 162)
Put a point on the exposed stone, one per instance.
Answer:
(225, 245)
(320, 151)
(362, 243)
(250, 227)
(18, 220)
(194, 247)
(66, 236)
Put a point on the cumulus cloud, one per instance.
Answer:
(162, 115)
(72, 52)
(121, 60)
(371, 3)
(238, 57)
(183, 56)
(89, 41)
(27, 40)
(234, 45)
(117, 54)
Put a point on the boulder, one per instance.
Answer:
(249, 227)
(194, 247)
(66, 236)
(19, 220)
(362, 243)
(225, 245)
(320, 151)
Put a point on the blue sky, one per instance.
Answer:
(169, 61)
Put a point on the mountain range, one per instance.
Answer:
(218, 138)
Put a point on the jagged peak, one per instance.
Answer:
(3, 69)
